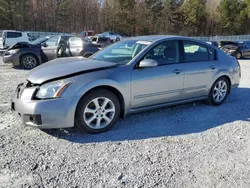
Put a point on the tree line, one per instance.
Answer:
(129, 17)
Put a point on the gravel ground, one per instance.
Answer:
(192, 145)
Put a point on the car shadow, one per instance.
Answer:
(173, 121)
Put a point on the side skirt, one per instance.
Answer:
(147, 108)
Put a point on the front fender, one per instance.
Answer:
(99, 83)
(124, 90)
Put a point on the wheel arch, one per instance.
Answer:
(219, 77)
(112, 89)
(29, 53)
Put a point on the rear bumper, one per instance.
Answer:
(44, 114)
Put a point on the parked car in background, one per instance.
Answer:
(10, 38)
(89, 49)
(214, 43)
(101, 41)
(87, 34)
(30, 55)
(95, 44)
(132, 75)
(114, 37)
(237, 49)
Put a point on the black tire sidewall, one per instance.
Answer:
(211, 99)
(28, 55)
(85, 100)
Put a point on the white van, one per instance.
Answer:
(10, 38)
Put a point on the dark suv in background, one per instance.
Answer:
(236, 49)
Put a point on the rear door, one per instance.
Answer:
(75, 46)
(200, 65)
(49, 49)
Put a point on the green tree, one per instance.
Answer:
(194, 16)
(231, 20)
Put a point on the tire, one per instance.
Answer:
(29, 61)
(219, 92)
(92, 117)
(117, 39)
(238, 55)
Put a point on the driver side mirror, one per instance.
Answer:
(44, 44)
(147, 63)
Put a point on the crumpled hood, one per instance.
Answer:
(63, 67)
(22, 45)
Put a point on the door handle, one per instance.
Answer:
(212, 67)
(53, 50)
(177, 71)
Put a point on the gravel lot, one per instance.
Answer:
(192, 145)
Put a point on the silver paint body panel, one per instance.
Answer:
(141, 88)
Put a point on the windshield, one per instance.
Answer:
(39, 41)
(121, 52)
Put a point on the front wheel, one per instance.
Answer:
(219, 92)
(98, 111)
(29, 61)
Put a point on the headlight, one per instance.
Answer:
(11, 52)
(231, 51)
(53, 89)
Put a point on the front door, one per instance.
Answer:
(160, 84)
(49, 49)
(200, 66)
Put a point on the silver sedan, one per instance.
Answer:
(133, 75)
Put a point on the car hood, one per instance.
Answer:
(22, 45)
(65, 67)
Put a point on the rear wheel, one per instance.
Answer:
(29, 61)
(219, 92)
(117, 39)
(98, 111)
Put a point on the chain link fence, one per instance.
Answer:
(36, 34)
(225, 38)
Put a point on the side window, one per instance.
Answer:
(165, 53)
(195, 52)
(212, 54)
(94, 39)
(14, 34)
(52, 41)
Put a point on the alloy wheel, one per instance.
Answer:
(99, 112)
(220, 91)
(29, 62)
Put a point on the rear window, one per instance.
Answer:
(14, 34)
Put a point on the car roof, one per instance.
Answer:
(154, 38)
